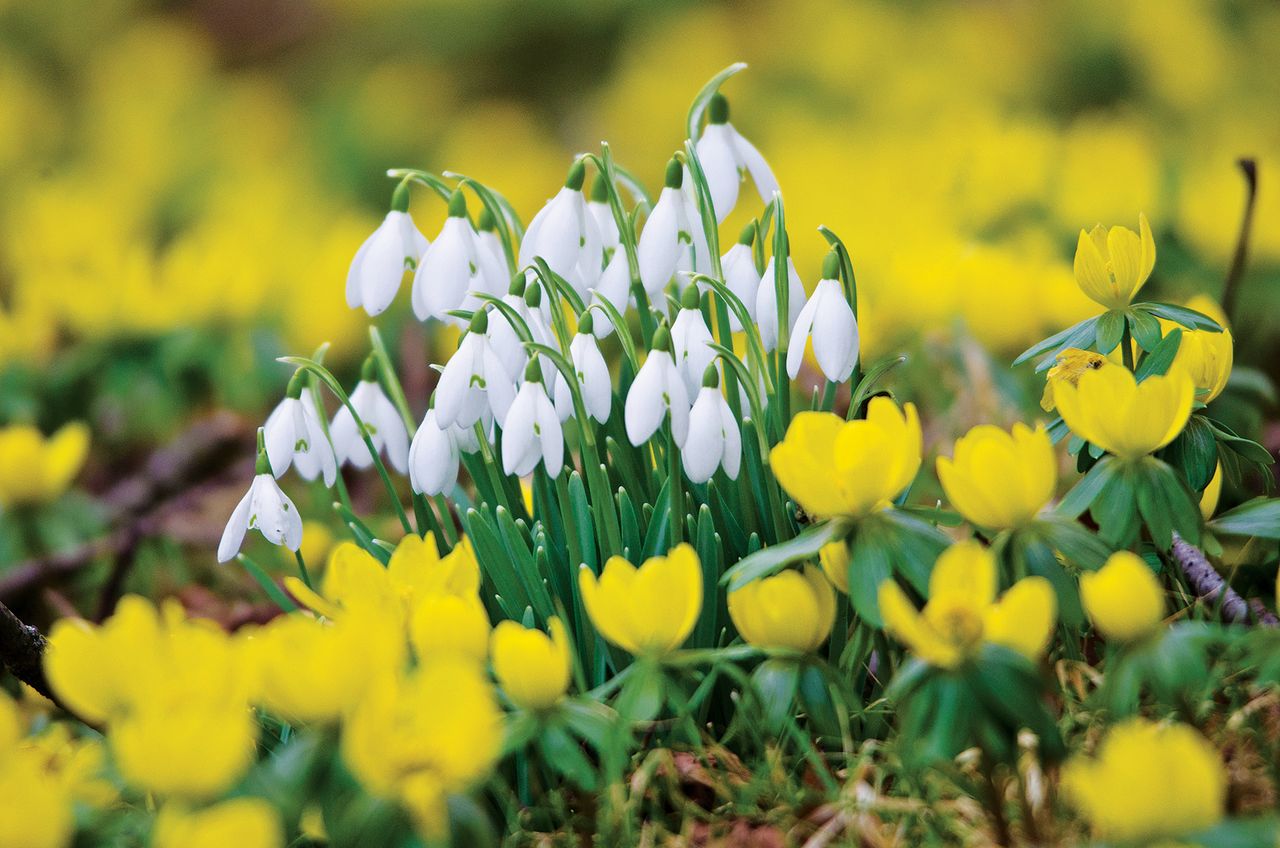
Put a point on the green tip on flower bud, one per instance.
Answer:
(600, 189)
(533, 371)
(479, 321)
(586, 323)
(577, 175)
(689, 298)
(675, 174)
(457, 204)
(369, 371)
(748, 234)
(661, 338)
(711, 377)
(297, 383)
(518, 282)
(718, 109)
(400, 197)
(831, 266)
(533, 296)
(263, 465)
(487, 223)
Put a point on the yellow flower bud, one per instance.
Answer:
(242, 822)
(448, 625)
(790, 611)
(834, 557)
(648, 610)
(835, 467)
(1123, 598)
(1212, 493)
(1129, 419)
(999, 480)
(532, 668)
(1148, 782)
(1111, 265)
(35, 470)
(1206, 356)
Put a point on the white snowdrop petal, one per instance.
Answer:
(704, 444)
(499, 387)
(550, 435)
(658, 248)
(757, 167)
(391, 428)
(645, 407)
(732, 460)
(382, 266)
(518, 439)
(444, 274)
(677, 400)
(835, 334)
(237, 526)
(799, 339)
(278, 434)
(719, 159)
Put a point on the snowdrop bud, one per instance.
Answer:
(382, 423)
(592, 373)
(577, 175)
(665, 234)
(724, 155)
(474, 379)
(294, 436)
(741, 276)
(713, 440)
(657, 391)
(445, 273)
(603, 213)
(531, 431)
(380, 263)
(691, 341)
(264, 508)
(767, 303)
(434, 456)
(829, 321)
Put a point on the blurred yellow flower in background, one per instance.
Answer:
(1124, 599)
(646, 611)
(532, 668)
(791, 611)
(242, 822)
(35, 469)
(1206, 355)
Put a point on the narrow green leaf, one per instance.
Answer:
(768, 560)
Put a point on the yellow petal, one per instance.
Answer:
(1023, 618)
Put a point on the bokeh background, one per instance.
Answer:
(185, 183)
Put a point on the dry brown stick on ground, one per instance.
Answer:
(22, 652)
(1208, 584)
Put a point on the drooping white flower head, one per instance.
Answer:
(492, 276)
(615, 287)
(264, 508)
(666, 235)
(767, 303)
(473, 380)
(724, 155)
(435, 453)
(714, 440)
(448, 268)
(527, 302)
(691, 341)
(592, 372)
(380, 263)
(295, 436)
(829, 320)
(531, 431)
(381, 421)
(740, 275)
(657, 391)
(564, 233)
(602, 212)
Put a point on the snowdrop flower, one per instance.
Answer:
(564, 233)
(531, 431)
(592, 372)
(473, 379)
(435, 453)
(724, 155)
(525, 301)
(767, 303)
(657, 391)
(615, 287)
(492, 276)
(445, 273)
(295, 436)
(666, 234)
(740, 275)
(379, 264)
(264, 508)
(381, 421)
(691, 341)
(714, 440)
(830, 321)
(600, 209)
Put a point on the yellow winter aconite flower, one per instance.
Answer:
(1123, 598)
(34, 469)
(1129, 419)
(532, 668)
(311, 670)
(834, 557)
(962, 611)
(418, 737)
(450, 625)
(1206, 356)
(835, 467)
(791, 610)
(1069, 367)
(1113, 264)
(1000, 480)
(1148, 781)
(35, 807)
(648, 610)
(242, 822)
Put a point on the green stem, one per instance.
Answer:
(490, 464)
(1126, 347)
(302, 569)
(675, 489)
(268, 585)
